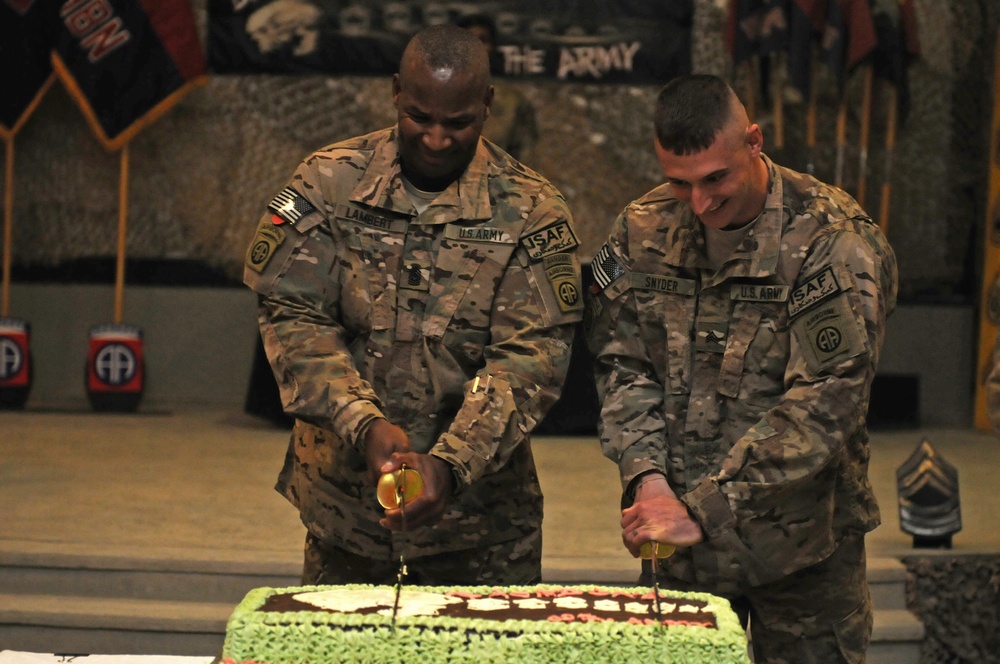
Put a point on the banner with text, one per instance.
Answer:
(628, 41)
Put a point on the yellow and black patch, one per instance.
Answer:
(555, 239)
(269, 237)
(830, 333)
(563, 277)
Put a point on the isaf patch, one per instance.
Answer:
(818, 288)
(555, 239)
(562, 276)
(289, 206)
(264, 244)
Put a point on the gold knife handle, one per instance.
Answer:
(398, 487)
(662, 550)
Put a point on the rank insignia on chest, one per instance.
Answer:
(711, 336)
(289, 206)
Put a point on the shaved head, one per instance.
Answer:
(450, 50)
(691, 111)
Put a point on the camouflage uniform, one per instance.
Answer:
(747, 387)
(454, 324)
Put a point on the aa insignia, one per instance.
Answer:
(562, 275)
(263, 246)
(829, 334)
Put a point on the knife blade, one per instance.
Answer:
(653, 551)
(400, 493)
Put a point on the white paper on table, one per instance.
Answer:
(19, 657)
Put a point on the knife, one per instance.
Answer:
(394, 490)
(653, 551)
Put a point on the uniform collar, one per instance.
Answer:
(467, 198)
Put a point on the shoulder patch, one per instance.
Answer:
(555, 239)
(817, 288)
(263, 246)
(290, 206)
(605, 268)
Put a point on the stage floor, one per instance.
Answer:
(183, 483)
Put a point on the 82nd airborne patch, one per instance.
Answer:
(562, 276)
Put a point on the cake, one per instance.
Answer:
(523, 624)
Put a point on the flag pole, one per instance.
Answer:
(838, 174)
(777, 100)
(890, 145)
(8, 220)
(866, 112)
(122, 217)
(811, 126)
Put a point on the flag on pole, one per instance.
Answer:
(897, 46)
(25, 67)
(848, 37)
(126, 62)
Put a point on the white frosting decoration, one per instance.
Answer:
(570, 602)
(488, 604)
(636, 607)
(533, 603)
(607, 605)
(349, 600)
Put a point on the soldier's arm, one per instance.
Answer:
(786, 458)
(291, 265)
(631, 426)
(532, 325)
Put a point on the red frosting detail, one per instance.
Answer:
(570, 592)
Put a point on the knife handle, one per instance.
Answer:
(387, 490)
(662, 550)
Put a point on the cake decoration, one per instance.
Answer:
(523, 624)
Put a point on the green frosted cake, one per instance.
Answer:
(523, 624)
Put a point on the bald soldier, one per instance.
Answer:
(418, 293)
(737, 322)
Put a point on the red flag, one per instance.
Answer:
(25, 68)
(126, 62)
(849, 36)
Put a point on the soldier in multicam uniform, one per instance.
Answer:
(418, 294)
(737, 320)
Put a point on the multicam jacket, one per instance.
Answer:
(747, 387)
(454, 324)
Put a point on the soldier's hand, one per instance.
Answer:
(663, 519)
(427, 508)
(382, 440)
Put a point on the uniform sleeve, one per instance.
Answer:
(631, 425)
(846, 289)
(292, 267)
(532, 323)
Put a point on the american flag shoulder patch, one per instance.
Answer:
(605, 268)
(290, 205)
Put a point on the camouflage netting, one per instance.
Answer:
(958, 601)
(200, 176)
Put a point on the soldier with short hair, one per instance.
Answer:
(418, 293)
(737, 320)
